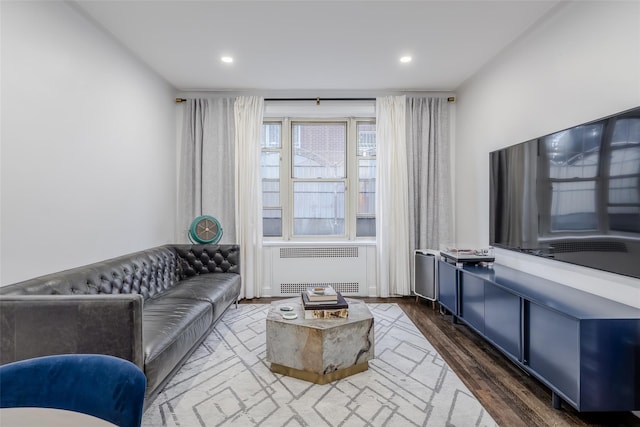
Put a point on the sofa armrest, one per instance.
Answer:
(39, 325)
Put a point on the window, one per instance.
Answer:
(271, 142)
(318, 178)
(366, 157)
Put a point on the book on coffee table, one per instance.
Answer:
(325, 309)
(322, 293)
(339, 302)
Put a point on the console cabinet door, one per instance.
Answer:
(448, 286)
(553, 349)
(472, 301)
(502, 319)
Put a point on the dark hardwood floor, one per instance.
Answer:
(511, 396)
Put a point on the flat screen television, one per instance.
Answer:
(572, 196)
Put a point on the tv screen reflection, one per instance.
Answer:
(573, 195)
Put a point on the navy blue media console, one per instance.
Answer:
(585, 348)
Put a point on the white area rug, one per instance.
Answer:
(227, 382)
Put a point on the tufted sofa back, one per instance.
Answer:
(201, 259)
(147, 272)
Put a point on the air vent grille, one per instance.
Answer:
(296, 288)
(346, 252)
(603, 246)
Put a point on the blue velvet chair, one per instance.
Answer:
(102, 386)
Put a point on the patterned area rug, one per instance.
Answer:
(227, 382)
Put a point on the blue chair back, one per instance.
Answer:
(103, 386)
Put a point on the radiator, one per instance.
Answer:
(425, 276)
(294, 269)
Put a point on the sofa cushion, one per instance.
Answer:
(220, 289)
(170, 329)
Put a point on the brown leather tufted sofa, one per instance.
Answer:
(152, 307)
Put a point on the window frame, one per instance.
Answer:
(356, 175)
(278, 151)
(287, 179)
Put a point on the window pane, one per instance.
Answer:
(319, 150)
(366, 139)
(318, 209)
(270, 165)
(573, 206)
(365, 227)
(365, 219)
(270, 169)
(367, 187)
(270, 138)
(272, 222)
(270, 135)
(270, 193)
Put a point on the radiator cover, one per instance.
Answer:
(294, 269)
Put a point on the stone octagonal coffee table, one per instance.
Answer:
(319, 350)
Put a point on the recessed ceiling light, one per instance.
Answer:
(405, 59)
(227, 59)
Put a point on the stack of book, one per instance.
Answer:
(324, 303)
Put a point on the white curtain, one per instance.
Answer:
(248, 206)
(392, 204)
(206, 181)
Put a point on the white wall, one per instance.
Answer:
(88, 165)
(581, 64)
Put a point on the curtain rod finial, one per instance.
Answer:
(451, 99)
(179, 100)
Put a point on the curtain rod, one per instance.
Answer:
(318, 99)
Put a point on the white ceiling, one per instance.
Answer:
(316, 45)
